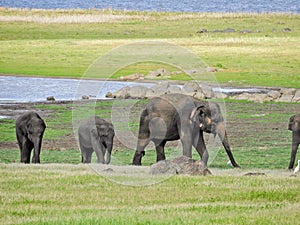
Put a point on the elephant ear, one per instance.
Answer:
(94, 131)
(29, 128)
(195, 112)
(291, 122)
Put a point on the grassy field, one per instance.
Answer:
(65, 43)
(63, 191)
(75, 194)
(257, 133)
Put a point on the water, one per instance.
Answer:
(31, 89)
(254, 6)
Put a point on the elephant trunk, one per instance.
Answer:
(37, 143)
(221, 131)
(295, 144)
(108, 152)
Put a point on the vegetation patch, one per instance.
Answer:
(53, 43)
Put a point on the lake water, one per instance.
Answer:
(292, 6)
(32, 89)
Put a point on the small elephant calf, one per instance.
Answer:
(30, 129)
(96, 134)
(294, 126)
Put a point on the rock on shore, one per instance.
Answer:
(205, 91)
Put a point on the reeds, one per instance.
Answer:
(75, 16)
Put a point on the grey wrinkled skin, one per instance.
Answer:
(294, 126)
(96, 135)
(30, 129)
(177, 116)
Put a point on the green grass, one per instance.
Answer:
(74, 194)
(257, 133)
(50, 43)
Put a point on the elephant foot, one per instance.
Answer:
(137, 159)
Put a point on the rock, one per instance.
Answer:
(122, 93)
(285, 98)
(164, 84)
(109, 95)
(288, 91)
(193, 89)
(296, 97)
(246, 31)
(286, 30)
(202, 31)
(132, 77)
(218, 31)
(108, 170)
(50, 98)
(85, 97)
(220, 95)
(243, 96)
(161, 72)
(258, 97)
(190, 87)
(180, 165)
(198, 95)
(164, 167)
(150, 93)
(174, 89)
(274, 94)
(211, 70)
(229, 30)
(161, 88)
(137, 92)
(207, 91)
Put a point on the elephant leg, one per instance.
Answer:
(200, 146)
(27, 147)
(293, 155)
(140, 151)
(143, 141)
(160, 152)
(86, 155)
(36, 153)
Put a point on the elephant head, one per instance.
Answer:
(106, 134)
(294, 126)
(294, 123)
(210, 120)
(96, 135)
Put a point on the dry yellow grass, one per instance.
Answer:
(62, 16)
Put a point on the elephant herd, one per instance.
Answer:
(165, 118)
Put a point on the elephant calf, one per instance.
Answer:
(176, 116)
(30, 129)
(294, 126)
(97, 135)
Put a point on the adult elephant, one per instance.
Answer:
(177, 116)
(294, 126)
(96, 134)
(30, 129)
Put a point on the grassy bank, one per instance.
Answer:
(72, 194)
(260, 51)
(257, 133)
